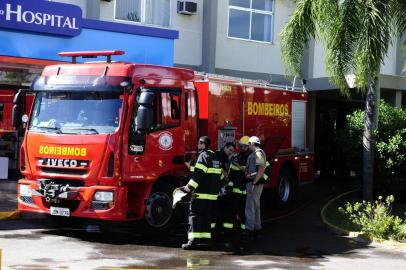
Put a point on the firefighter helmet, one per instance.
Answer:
(244, 140)
(255, 139)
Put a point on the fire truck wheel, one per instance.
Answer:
(286, 187)
(159, 211)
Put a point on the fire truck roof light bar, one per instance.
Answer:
(90, 54)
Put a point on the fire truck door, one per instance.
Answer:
(156, 149)
(190, 126)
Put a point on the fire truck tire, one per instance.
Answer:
(159, 213)
(286, 188)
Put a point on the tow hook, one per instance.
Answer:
(53, 192)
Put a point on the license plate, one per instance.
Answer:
(58, 211)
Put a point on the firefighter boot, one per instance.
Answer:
(190, 245)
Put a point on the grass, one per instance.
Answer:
(337, 218)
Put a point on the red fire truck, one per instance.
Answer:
(10, 137)
(109, 140)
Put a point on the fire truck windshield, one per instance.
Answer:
(76, 112)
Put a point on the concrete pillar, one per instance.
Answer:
(398, 100)
(311, 121)
(210, 8)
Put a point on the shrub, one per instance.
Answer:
(375, 219)
(401, 236)
(390, 154)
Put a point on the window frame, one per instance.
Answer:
(161, 90)
(142, 19)
(252, 10)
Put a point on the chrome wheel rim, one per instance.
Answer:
(284, 189)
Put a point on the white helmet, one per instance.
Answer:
(254, 139)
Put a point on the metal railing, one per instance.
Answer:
(253, 82)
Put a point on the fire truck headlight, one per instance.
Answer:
(104, 196)
(25, 190)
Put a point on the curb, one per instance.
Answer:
(333, 227)
(9, 215)
(358, 236)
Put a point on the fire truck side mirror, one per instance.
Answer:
(16, 116)
(18, 98)
(144, 119)
(17, 109)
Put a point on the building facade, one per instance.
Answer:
(236, 38)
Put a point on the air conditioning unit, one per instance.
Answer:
(187, 7)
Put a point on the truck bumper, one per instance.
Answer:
(80, 204)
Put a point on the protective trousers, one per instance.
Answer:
(224, 212)
(200, 216)
(231, 211)
(253, 207)
(239, 218)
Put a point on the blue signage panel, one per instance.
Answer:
(138, 48)
(41, 16)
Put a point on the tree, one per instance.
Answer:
(355, 35)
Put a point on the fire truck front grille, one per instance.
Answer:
(72, 183)
(71, 204)
(65, 171)
(27, 199)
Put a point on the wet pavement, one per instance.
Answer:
(8, 198)
(293, 238)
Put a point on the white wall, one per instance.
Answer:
(80, 3)
(107, 11)
(251, 56)
(387, 68)
(390, 62)
(188, 48)
(319, 67)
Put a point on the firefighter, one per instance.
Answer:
(256, 165)
(204, 183)
(237, 176)
(235, 213)
(224, 202)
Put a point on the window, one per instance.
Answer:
(166, 110)
(165, 106)
(76, 113)
(251, 19)
(144, 11)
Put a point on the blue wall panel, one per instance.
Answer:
(138, 48)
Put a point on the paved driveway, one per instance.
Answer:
(293, 239)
